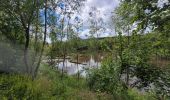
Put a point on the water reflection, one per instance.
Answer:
(71, 66)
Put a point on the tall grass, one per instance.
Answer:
(47, 86)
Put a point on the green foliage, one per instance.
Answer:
(21, 87)
(135, 95)
(138, 49)
(105, 78)
(47, 86)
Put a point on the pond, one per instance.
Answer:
(79, 63)
(74, 65)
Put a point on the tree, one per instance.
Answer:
(44, 40)
(24, 14)
(143, 16)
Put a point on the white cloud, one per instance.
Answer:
(84, 34)
(162, 2)
(107, 33)
(105, 7)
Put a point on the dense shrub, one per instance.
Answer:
(108, 79)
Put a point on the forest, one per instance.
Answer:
(84, 49)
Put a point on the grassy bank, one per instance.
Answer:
(50, 86)
(47, 86)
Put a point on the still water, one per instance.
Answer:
(73, 66)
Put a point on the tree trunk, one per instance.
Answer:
(44, 41)
(63, 66)
(36, 36)
(78, 73)
(127, 75)
(27, 37)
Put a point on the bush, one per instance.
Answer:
(106, 78)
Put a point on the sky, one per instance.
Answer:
(105, 7)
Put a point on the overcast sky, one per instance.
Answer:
(105, 7)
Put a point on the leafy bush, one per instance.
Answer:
(106, 78)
